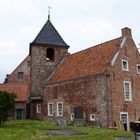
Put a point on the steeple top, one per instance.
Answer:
(49, 11)
(49, 36)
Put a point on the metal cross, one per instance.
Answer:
(49, 11)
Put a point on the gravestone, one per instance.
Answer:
(62, 123)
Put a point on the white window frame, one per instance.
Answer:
(130, 91)
(127, 69)
(37, 108)
(58, 113)
(138, 65)
(91, 117)
(126, 113)
(72, 116)
(49, 114)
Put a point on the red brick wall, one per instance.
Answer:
(116, 88)
(89, 93)
(23, 67)
(18, 105)
(34, 114)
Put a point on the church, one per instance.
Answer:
(99, 84)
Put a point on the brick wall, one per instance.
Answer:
(23, 67)
(89, 93)
(41, 69)
(116, 86)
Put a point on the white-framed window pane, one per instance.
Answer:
(127, 91)
(50, 109)
(138, 68)
(38, 108)
(92, 117)
(125, 65)
(59, 109)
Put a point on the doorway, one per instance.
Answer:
(124, 119)
(19, 114)
(78, 112)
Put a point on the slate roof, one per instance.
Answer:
(20, 90)
(91, 61)
(49, 36)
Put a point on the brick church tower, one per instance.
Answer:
(47, 51)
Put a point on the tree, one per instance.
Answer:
(7, 103)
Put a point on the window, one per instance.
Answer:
(20, 75)
(138, 68)
(59, 109)
(127, 91)
(125, 65)
(72, 116)
(38, 108)
(125, 120)
(28, 64)
(50, 109)
(50, 54)
(92, 117)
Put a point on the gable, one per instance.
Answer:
(24, 67)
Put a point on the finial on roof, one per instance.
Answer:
(49, 10)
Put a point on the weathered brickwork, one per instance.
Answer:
(89, 93)
(41, 68)
(92, 79)
(33, 110)
(23, 67)
(116, 84)
(104, 92)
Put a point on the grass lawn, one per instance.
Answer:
(35, 130)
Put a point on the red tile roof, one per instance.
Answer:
(87, 62)
(20, 90)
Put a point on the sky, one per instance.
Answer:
(81, 23)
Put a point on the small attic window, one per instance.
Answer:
(50, 54)
(125, 65)
(20, 75)
(138, 68)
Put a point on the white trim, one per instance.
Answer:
(118, 52)
(126, 113)
(138, 65)
(72, 116)
(92, 117)
(114, 58)
(58, 114)
(49, 109)
(38, 108)
(130, 94)
(127, 69)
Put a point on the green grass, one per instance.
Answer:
(35, 130)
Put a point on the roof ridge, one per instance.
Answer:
(95, 46)
(89, 61)
(20, 64)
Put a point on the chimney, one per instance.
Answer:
(126, 32)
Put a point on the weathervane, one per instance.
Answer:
(49, 11)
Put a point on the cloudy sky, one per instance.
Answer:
(81, 23)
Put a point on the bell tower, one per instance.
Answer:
(47, 51)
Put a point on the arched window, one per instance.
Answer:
(50, 54)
